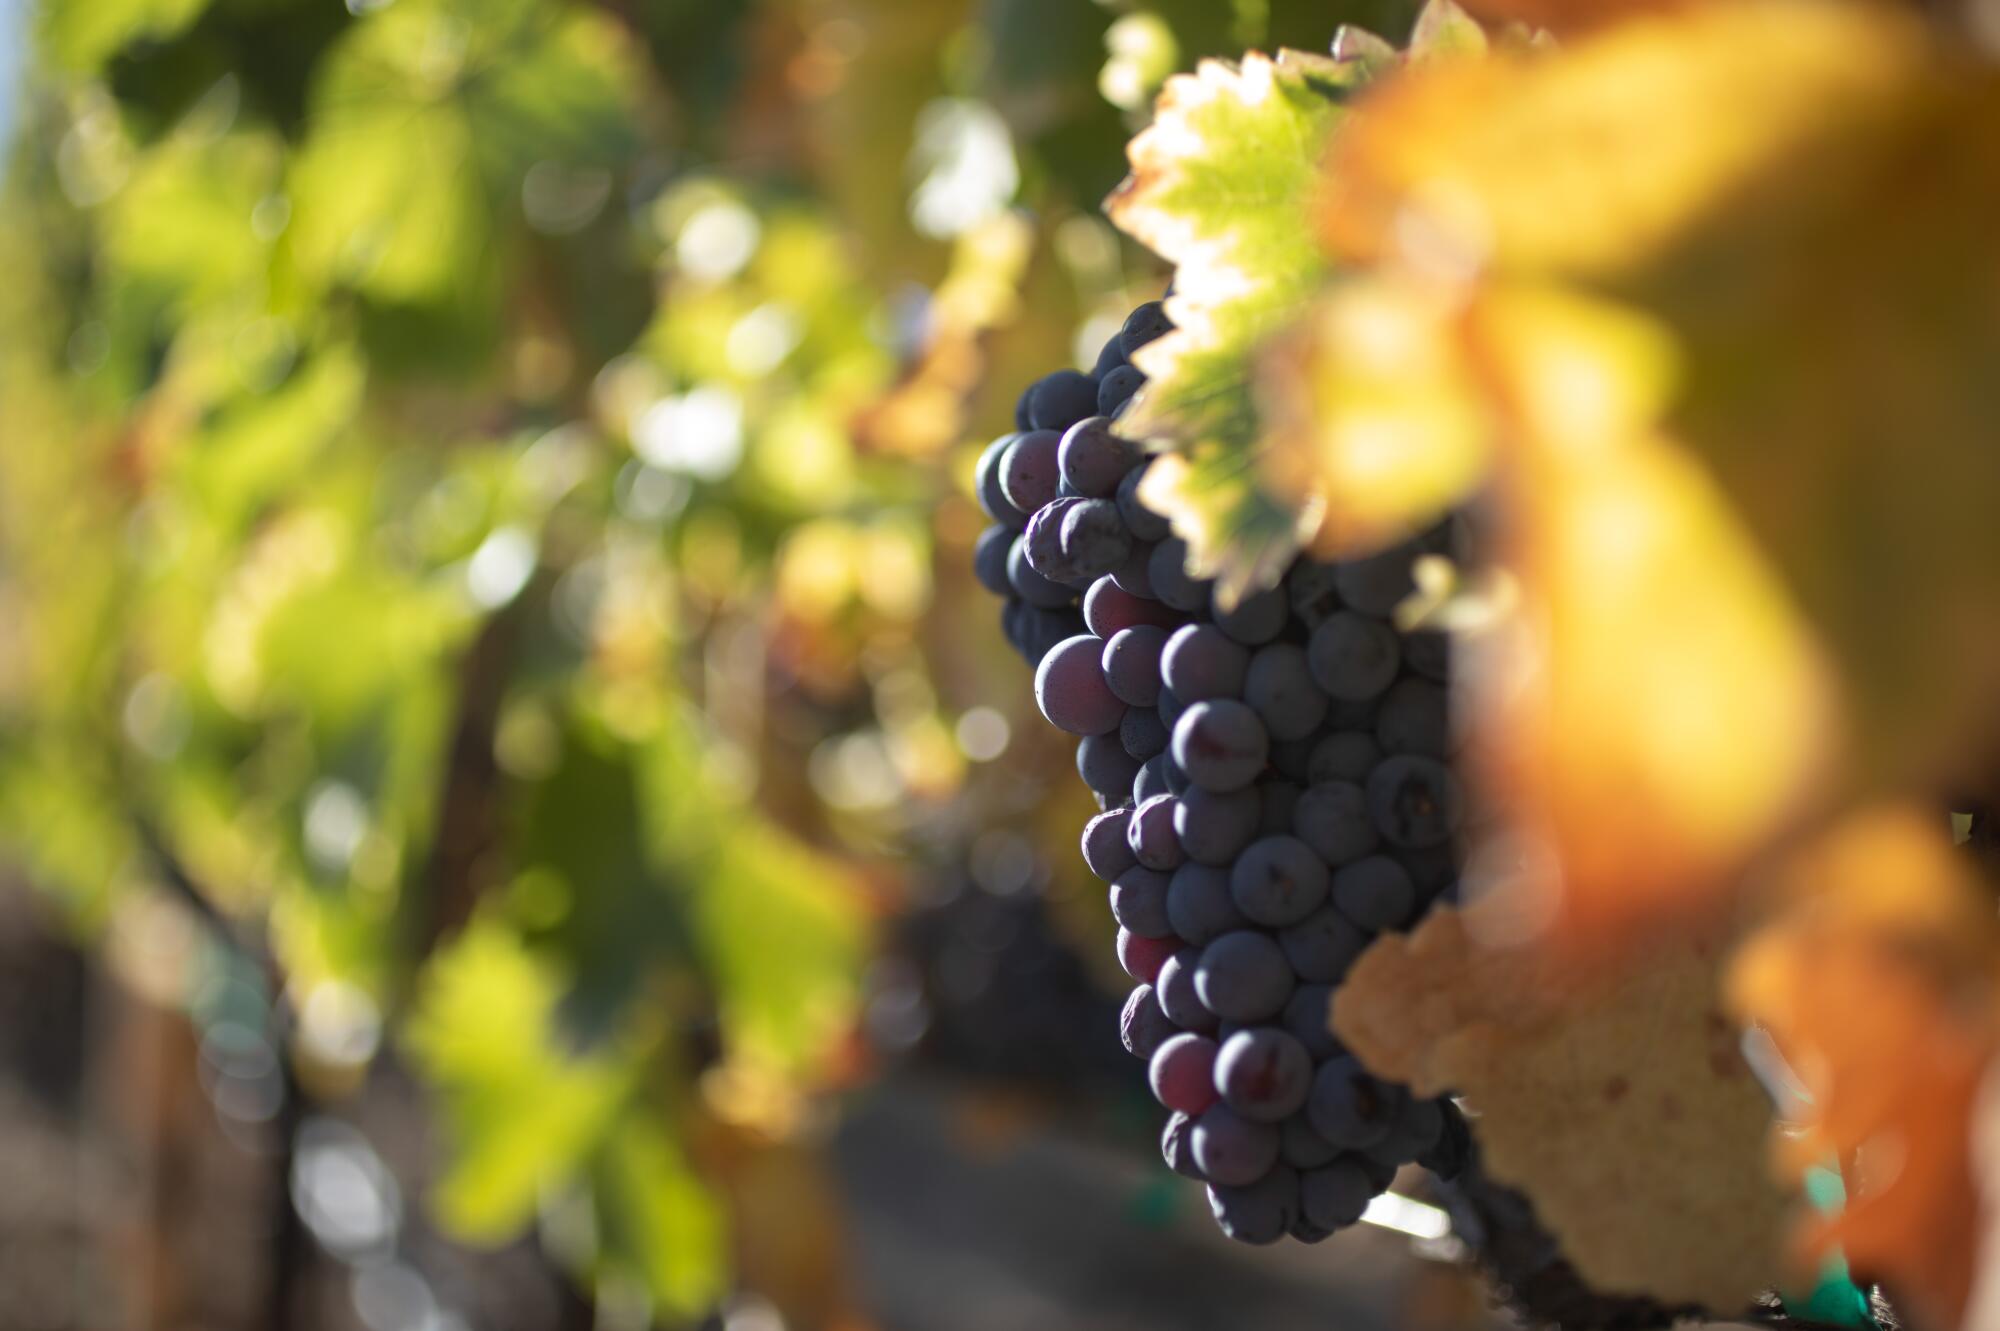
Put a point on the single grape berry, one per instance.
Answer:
(989, 559)
(1176, 997)
(1142, 325)
(1201, 662)
(1214, 827)
(1345, 755)
(1143, 957)
(1151, 834)
(1070, 689)
(1278, 881)
(1060, 400)
(1220, 744)
(1132, 664)
(1171, 582)
(1354, 658)
(1139, 902)
(986, 485)
(1243, 976)
(1093, 459)
(1105, 767)
(1376, 584)
(1117, 387)
(1142, 1026)
(1177, 1146)
(1260, 1212)
(1350, 1108)
(1308, 1018)
(1199, 905)
(1094, 539)
(1255, 619)
(1263, 1074)
(1232, 1150)
(1107, 608)
(1279, 687)
(1029, 471)
(1143, 734)
(1332, 817)
(1182, 1073)
(1105, 849)
(1322, 946)
(1413, 717)
(1376, 893)
(1336, 1194)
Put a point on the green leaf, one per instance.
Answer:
(522, 1113)
(658, 1218)
(84, 34)
(1221, 184)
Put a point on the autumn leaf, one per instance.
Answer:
(1221, 184)
(1719, 362)
(1877, 980)
(1620, 1105)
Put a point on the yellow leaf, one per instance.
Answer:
(1619, 1104)
(1590, 158)
(1876, 979)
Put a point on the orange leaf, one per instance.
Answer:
(1877, 980)
(1618, 1102)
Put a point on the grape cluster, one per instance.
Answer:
(1276, 791)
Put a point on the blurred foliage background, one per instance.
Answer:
(489, 646)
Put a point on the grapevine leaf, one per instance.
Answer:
(1745, 524)
(1220, 184)
(1878, 983)
(1443, 29)
(1620, 1106)
(84, 34)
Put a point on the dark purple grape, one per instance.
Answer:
(1143, 522)
(1152, 778)
(1353, 658)
(1378, 583)
(1060, 400)
(1301, 1147)
(1143, 734)
(1199, 905)
(1278, 881)
(1231, 1149)
(1043, 544)
(1322, 946)
(1345, 755)
(1414, 801)
(1139, 902)
(1201, 662)
(1182, 1073)
(1335, 1194)
(1243, 976)
(989, 559)
(1107, 608)
(1105, 850)
(1029, 471)
(1132, 664)
(1177, 997)
(1414, 1134)
(986, 485)
(1152, 835)
(1170, 708)
(1142, 1027)
(1413, 718)
(1214, 827)
(1135, 574)
(1255, 619)
(1261, 1212)
(1376, 893)
(1094, 539)
(1143, 957)
(1070, 688)
(1263, 1074)
(1307, 1019)
(1110, 356)
(1219, 743)
(1043, 630)
(1105, 767)
(1348, 1107)
(1332, 818)
(1094, 460)
(1116, 388)
(1142, 325)
(1279, 687)
(1031, 586)
(1177, 1146)
(1171, 582)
